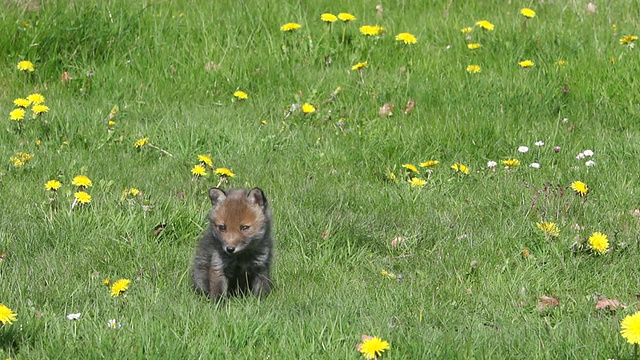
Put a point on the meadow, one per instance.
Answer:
(458, 179)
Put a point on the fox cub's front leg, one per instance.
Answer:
(261, 285)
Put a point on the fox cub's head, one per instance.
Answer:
(238, 219)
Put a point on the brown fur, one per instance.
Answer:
(235, 252)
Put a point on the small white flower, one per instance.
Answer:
(492, 164)
(588, 153)
(73, 316)
(523, 149)
(539, 143)
(565, 120)
(113, 324)
(590, 163)
(580, 156)
(535, 165)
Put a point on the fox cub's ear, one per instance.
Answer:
(217, 196)
(256, 197)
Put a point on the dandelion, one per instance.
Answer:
(528, 13)
(21, 102)
(224, 172)
(598, 242)
(579, 188)
(371, 30)
(7, 316)
(308, 108)
(82, 181)
(561, 62)
(82, 197)
(52, 185)
(429, 163)
(372, 347)
(346, 17)
(206, 160)
(241, 95)
(140, 143)
(35, 99)
(360, 65)
(523, 149)
(26, 65)
(198, 170)
(106, 282)
(410, 168)
(486, 25)
(119, 287)
(549, 228)
(134, 192)
(473, 69)
(511, 162)
(458, 167)
(113, 324)
(419, 183)
(473, 46)
(329, 18)
(406, 38)
(20, 159)
(75, 316)
(526, 63)
(466, 30)
(290, 27)
(491, 164)
(17, 114)
(631, 328)
(628, 40)
(39, 109)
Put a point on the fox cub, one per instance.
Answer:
(234, 254)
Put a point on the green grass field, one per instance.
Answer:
(470, 274)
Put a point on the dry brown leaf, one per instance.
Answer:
(379, 10)
(158, 229)
(397, 241)
(386, 110)
(324, 234)
(591, 8)
(364, 338)
(546, 302)
(65, 78)
(410, 105)
(612, 304)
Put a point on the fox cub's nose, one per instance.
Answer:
(230, 249)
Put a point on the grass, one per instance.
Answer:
(465, 291)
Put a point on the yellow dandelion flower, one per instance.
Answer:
(373, 347)
(198, 170)
(371, 30)
(511, 162)
(39, 109)
(466, 30)
(410, 168)
(631, 328)
(346, 17)
(580, 188)
(111, 123)
(406, 38)
(549, 228)
(7, 316)
(119, 286)
(360, 65)
(206, 159)
(561, 63)
(308, 108)
(290, 27)
(628, 40)
(599, 243)
(526, 63)
(140, 143)
(419, 183)
(26, 65)
(106, 282)
(473, 69)
(17, 114)
(429, 163)
(82, 181)
(458, 167)
(21, 102)
(20, 159)
(134, 192)
(224, 172)
(328, 17)
(485, 25)
(82, 197)
(35, 99)
(241, 95)
(52, 185)
(392, 176)
(528, 13)
(473, 46)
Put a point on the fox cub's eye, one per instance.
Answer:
(222, 228)
(244, 227)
